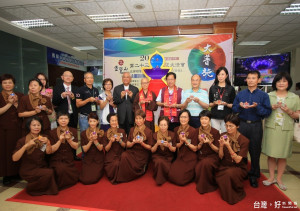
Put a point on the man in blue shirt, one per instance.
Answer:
(195, 100)
(253, 105)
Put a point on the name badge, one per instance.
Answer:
(221, 107)
(93, 107)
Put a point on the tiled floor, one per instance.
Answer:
(291, 179)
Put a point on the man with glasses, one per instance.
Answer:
(123, 97)
(169, 98)
(146, 100)
(87, 100)
(64, 100)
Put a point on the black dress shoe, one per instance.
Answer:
(77, 158)
(253, 182)
(6, 180)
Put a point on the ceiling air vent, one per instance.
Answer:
(67, 10)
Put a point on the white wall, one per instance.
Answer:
(295, 66)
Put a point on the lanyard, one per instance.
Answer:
(93, 91)
(221, 95)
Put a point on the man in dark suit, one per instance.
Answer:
(124, 95)
(64, 100)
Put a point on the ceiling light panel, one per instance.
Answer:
(204, 13)
(123, 17)
(293, 9)
(254, 43)
(84, 48)
(35, 23)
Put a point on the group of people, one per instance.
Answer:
(201, 136)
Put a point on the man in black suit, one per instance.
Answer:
(124, 95)
(64, 100)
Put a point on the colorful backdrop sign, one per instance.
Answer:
(154, 57)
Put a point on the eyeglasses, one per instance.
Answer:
(107, 84)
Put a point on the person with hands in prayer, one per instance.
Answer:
(146, 100)
(182, 170)
(163, 150)
(10, 128)
(92, 145)
(123, 97)
(253, 105)
(279, 128)
(31, 150)
(135, 159)
(221, 97)
(87, 100)
(107, 105)
(64, 141)
(35, 104)
(169, 99)
(233, 150)
(114, 144)
(195, 100)
(208, 159)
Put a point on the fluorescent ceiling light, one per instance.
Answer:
(204, 13)
(292, 10)
(33, 23)
(254, 42)
(85, 48)
(124, 17)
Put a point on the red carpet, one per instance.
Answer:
(143, 194)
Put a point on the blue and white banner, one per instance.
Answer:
(63, 59)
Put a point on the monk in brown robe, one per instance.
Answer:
(64, 141)
(146, 100)
(208, 159)
(163, 150)
(135, 159)
(10, 128)
(182, 170)
(233, 151)
(114, 144)
(35, 104)
(92, 146)
(31, 149)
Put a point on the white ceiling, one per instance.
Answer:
(258, 20)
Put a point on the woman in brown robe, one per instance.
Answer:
(146, 101)
(182, 170)
(208, 159)
(64, 140)
(163, 150)
(134, 160)
(92, 145)
(114, 144)
(10, 127)
(31, 149)
(233, 151)
(35, 104)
